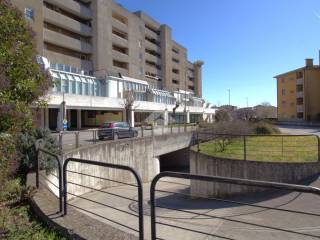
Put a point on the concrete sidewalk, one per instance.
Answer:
(221, 220)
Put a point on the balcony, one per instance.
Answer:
(299, 94)
(119, 25)
(70, 24)
(119, 40)
(299, 81)
(300, 108)
(66, 42)
(153, 58)
(73, 7)
(69, 60)
(152, 46)
(120, 56)
(152, 34)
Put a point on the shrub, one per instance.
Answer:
(264, 128)
(27, 152)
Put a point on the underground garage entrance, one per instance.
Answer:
(178, 161)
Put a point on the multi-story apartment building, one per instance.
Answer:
(100, 49)
(298, 93)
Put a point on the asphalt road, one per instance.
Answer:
(298, 130)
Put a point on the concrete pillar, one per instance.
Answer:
(188, 116)
(132, 118)
(166, 117)
(79, 123)
(46, 118)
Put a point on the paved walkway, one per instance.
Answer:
(222, 220)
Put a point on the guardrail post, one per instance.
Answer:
(64, 176)
(94, 136)
(244, 148)
(171, 129)
(198, 141)
(77, 139)
(141, 131)
(152, 130)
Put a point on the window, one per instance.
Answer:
(175, 60)
(175, 81)
(29, 13)
(191, 88)
(176, 71)
(175, 50)
(283, 92)
(299, 88)
(61, 67)
(299, 75)
(299, 101)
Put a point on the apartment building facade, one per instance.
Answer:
(298, 93)
(100, 49)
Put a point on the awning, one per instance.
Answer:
(55, 74)
(162, 93)
(70, 77)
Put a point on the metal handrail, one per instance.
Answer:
(57, 158)
(237, 181)
(107, 165)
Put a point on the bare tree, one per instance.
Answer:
(128, 102)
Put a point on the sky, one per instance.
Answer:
(244, 43)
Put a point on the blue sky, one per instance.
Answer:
(244, 43)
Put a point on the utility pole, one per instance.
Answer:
(247, 102)
(229, 97)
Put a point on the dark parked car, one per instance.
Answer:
(116, 130)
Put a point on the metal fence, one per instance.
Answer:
(105, 165)
(68, 140)
(195, 230)
(260, 147)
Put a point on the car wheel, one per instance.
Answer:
(115, 136)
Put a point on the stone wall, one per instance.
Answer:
(254, 170)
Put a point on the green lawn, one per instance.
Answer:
(266, 148)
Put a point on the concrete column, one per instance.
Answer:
(132, 118)
(46, 118)
(188, 116)
(79, 123)
(166, 117)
